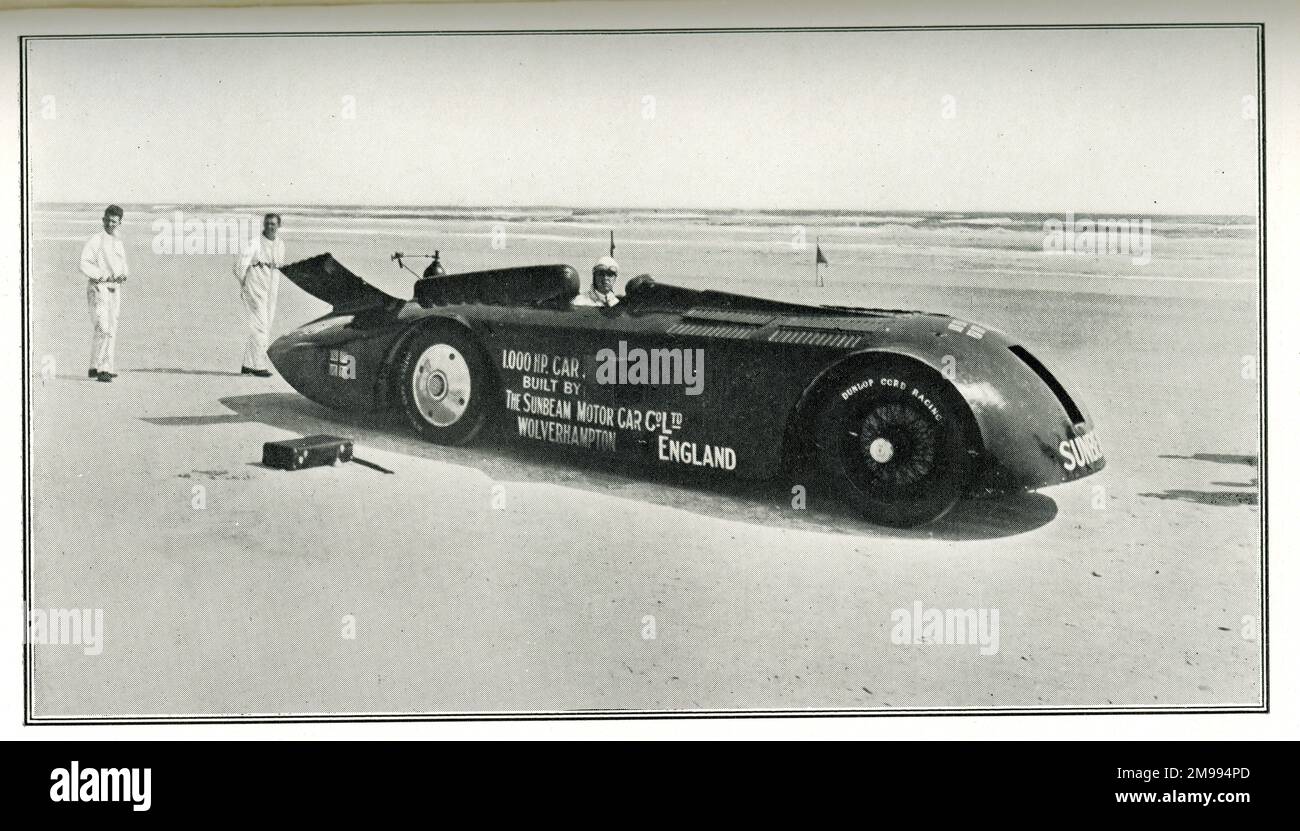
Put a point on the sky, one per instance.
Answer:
(1136, 121)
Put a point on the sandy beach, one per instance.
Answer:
(1130, 589)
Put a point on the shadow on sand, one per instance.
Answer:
(194, 421)
(165, 370)
(1220, 458)
(504, 460)
(1250, 496)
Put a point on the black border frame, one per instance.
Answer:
(29, 719)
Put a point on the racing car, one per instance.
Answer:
(900, 413)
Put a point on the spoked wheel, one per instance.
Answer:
(444, 382)
(892, 440)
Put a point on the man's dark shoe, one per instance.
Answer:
(106, 377)
(94, 373)
(260, 373)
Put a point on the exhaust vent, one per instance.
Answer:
(1071, 409)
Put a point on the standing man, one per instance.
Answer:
(259, 281)
(103, 261)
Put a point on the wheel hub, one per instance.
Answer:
(881, 450)
(441, 384)
(895, 444)
(435, 385)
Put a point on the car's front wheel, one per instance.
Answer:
(444, 384)
(892, 439)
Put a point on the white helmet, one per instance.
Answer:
(606, 264)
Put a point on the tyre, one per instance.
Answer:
(444, 384)
(892, 441)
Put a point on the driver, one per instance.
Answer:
(603, 276)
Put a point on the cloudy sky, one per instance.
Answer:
(1140, 121)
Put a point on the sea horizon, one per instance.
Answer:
(584, 212)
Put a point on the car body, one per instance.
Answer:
(744, 386)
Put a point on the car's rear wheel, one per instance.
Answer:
(892, 439)
(444, 384)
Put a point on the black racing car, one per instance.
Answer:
(903, 412)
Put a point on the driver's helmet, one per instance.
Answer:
(605, 264)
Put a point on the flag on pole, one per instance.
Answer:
(821, 258)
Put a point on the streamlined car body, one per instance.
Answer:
(901, 412)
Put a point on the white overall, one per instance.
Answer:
(259, 280)
(103, 262)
